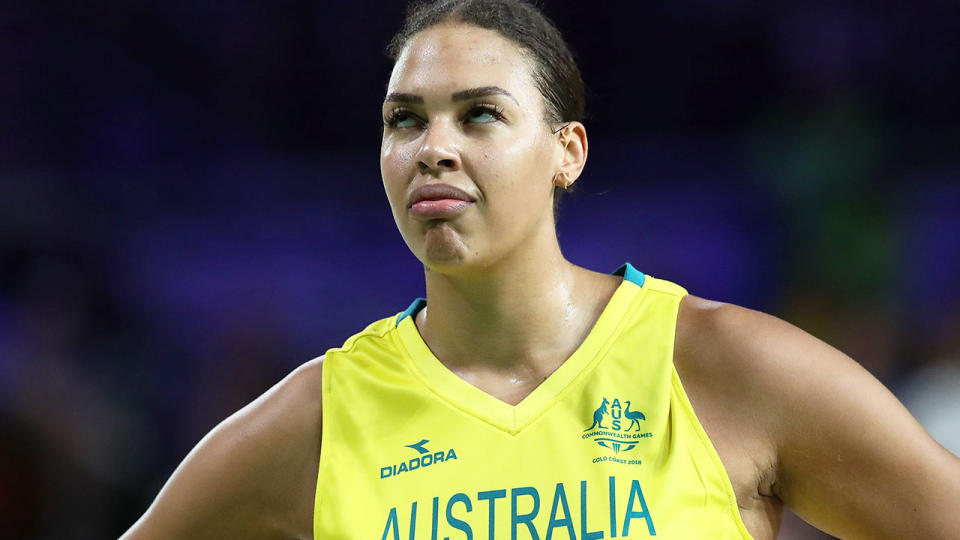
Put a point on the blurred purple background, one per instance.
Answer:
(191, 206)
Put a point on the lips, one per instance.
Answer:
(438, 201)
(437, 192)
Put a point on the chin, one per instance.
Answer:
(442, 247)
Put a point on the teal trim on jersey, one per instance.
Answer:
(630, 273)
(416, 306)
(626, 270)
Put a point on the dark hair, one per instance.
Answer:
(555, 71)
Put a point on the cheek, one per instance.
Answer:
(395, 162)
(516, 172)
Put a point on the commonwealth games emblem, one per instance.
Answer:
(616, 426)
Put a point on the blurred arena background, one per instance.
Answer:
(191, 206)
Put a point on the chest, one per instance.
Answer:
(614, 452)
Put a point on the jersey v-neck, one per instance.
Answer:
(512, 419)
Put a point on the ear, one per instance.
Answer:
(572, 139)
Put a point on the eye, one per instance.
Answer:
(484, 114)
(401, 118)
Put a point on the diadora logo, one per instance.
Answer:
(424, 460)
(616, 427)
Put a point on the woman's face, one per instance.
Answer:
(462, 110)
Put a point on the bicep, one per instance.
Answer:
(238, 480)
(851, 458)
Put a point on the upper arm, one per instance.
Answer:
(850, 458)
(248, 477)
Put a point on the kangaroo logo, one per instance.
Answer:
(616, 436)
(598, 415)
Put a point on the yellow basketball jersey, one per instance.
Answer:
(607, 446)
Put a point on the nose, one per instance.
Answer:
(439, 150)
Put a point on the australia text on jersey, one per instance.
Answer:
(611, 511)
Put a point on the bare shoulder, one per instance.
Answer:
(253, 475)
(301, 389)
(746, 348)
(755, 355)
(723, 354)
(848, 457)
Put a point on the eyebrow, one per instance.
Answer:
(462, 95)
(482, 92)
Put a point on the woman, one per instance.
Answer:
(530, 397)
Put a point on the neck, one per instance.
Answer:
(523, 315)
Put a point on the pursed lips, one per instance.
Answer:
(436, 192)
(438, 201)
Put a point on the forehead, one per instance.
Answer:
(450, 57)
